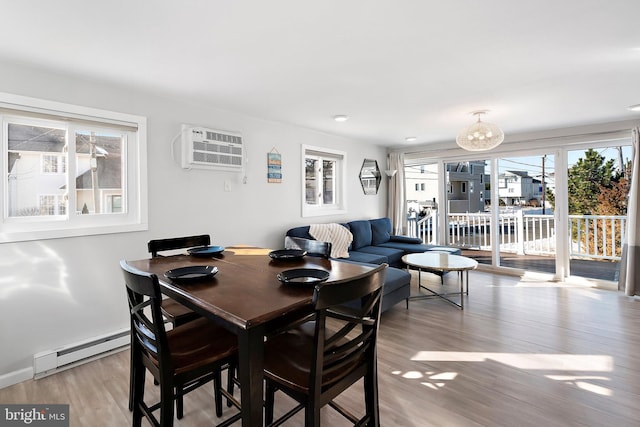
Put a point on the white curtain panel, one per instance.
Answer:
(397, 206)
(630, 263)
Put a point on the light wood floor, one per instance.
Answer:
(520, 354)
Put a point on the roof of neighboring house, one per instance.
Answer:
(24, 138)
(522, 174)
(49, 140)
(36, 138)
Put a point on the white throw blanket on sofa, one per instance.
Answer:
(336, 234)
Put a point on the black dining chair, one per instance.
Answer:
(173, 311)
(180, 360)
(312, 247)
(315, 362)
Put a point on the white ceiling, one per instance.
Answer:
(397, 68)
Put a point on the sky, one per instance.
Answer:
(533, 164)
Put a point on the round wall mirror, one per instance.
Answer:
(370, 176)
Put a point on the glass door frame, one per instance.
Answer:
(559, 147)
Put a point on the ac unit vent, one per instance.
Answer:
(211, 149)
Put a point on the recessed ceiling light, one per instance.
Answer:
(410, 138)
(341, 118)
(634, 107)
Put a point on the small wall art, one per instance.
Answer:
(274, 166)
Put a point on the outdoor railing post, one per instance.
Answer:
(520, 232)
(435, 229)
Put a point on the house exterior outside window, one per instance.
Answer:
(323, 181)
(70, 172)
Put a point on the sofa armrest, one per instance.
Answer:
(405, 239)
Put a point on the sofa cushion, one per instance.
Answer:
(394, 256)
(395, 279)
(361, 231)
(405, 239)
(397, 286)
(380, 230)
(365, 257)
(407, 247)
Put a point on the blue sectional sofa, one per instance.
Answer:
(373, 243)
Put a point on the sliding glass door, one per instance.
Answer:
(598, 186)
(560, 210)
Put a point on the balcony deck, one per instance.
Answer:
(594, 269)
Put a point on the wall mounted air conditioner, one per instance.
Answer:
(204, 148)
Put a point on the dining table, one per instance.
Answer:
(246, 297)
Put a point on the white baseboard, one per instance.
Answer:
(16, 377)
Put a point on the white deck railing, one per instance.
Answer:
(597, 236)
(592, 236)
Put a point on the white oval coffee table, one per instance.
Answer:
(440, 263)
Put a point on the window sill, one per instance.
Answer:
(60, 233)
(322, 212)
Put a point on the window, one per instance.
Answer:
(54, 164)
(417, 186)
(51, 204)
(422, 187)
(463, 187)
(70, 170)
(114, 203)
(323, 181)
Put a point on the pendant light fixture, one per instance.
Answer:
(480, 136)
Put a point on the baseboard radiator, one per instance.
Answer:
(51, 361)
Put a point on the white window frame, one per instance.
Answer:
(71, 224)
(339, 205)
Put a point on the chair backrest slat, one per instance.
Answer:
(159, 245)
(355, 306)
(313, 247)
(147, 322)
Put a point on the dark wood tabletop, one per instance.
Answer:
(246, 297)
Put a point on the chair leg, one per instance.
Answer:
(136, 393)
(137, 417)
(371, 398)
(179, 403)
(217, 395)
(231, 372)
(138, 371)
(269, 402)
(166, 405)
(131, 378)
(312, 414)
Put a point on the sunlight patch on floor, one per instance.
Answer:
(523, 361)
(531, 361)
(583, 383)
(431, 380)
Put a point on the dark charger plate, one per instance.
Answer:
(191, 273)
(206, 251)
(287, 254)
(303, 276)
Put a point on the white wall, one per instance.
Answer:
(58, 292)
